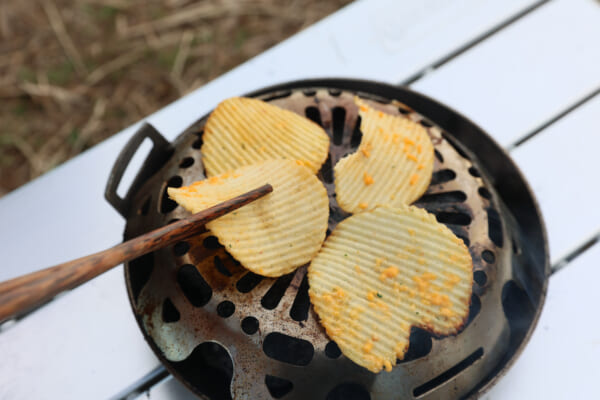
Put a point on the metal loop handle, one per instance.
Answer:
(161, 151)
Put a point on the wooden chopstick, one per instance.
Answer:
(25, 292)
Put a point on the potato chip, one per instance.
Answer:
(275, 234)
(381, 272)
(393, 164)
(243, 131)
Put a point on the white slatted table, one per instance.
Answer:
(526, 71)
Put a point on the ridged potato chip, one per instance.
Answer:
(275, 234)
(383, 271)
(393, 164)
(243, 131)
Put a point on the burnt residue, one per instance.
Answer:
(217, 266)
(299, 310)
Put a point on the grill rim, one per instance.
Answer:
(467, 133)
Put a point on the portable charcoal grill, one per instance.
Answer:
(226, 332)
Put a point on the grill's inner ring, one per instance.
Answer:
(210, 320)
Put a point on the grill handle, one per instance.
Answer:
(21, 294)
(159, 154)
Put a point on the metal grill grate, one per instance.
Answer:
(223, 330)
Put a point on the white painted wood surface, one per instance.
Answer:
(517, 80)
(41, 225)
(560, 164)
(561, 360)
(84, 344)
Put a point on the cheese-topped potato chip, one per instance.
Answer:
(243, 131)
(275, 234)
(393, 164)
(381, 272)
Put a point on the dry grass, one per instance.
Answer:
(74, 72)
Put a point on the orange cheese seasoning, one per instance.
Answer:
(389, 273)
(414, 179)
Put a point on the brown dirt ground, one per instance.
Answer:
(74, 72)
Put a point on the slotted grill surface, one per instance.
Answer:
(213, 322)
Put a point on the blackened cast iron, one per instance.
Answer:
(226, 332)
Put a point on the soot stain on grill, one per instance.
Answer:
(442, 176)
(248, 282)
(488, 256)
(212, 243)
(483, 192)
(332, 350)
(181, 248)
(480, 277)
(456, 216)
(474, 309)
(515, 247)
(404, 111)
(170, 313)
(278, 387)
(349, 391)
(519, 311)
(474, 172)
(327, 170)
(277, 95)
(197, 144)
(420, 345)
(495, 227)
(456, 146)
(225, 309)
(448, 374)
(209, 369)
(313, 114)
(455, 196)
(453, 217)
(288, 349)
(464, 238)
(299, 310)
(336, 214)
(145, 206)
(219, 274)
(356, 134)
(221, 267)
(193, 285)
(186, 162)
(166, 204)
(140, 270)
(438, 155)
(250, 325)
(426, 123)
(339, 119)
(275, 293)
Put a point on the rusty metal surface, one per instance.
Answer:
(174, 339)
